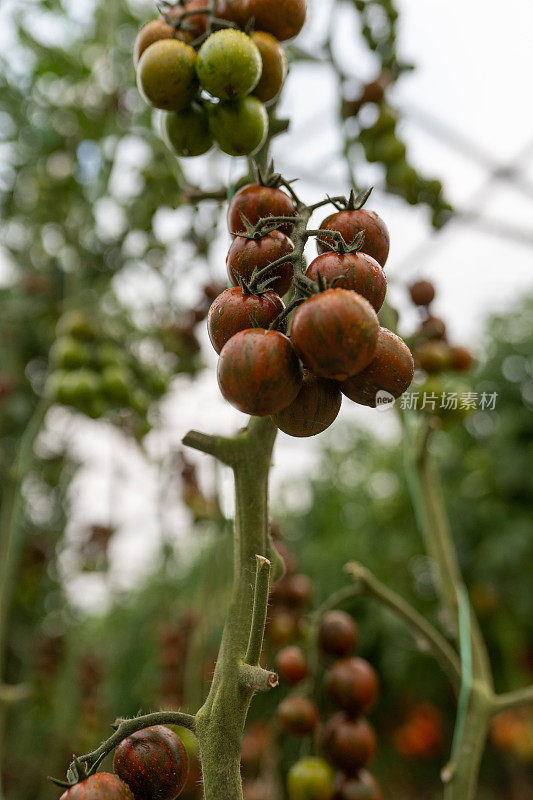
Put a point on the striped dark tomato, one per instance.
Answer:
(153, 762)
(391, 371)
(313, 409)
(234, 311)
(256, 202)
(348, 743)
(352, 684)
(335, 333)
(356, 271)
(351, 222)
(245, 255)
(259, 372)
(100, 786)
(362, 786)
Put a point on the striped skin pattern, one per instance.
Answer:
(349, 743)
(256, 202)
(335, 333)
(313, 410)
(245, 255)
(153, 762)
(350, 223)
(356, 271)
(259, 372)
(391, 370)
(100, 786)
(233, 310)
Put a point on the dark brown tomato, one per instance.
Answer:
(291, 665)
(338, 633)
(284, 19)
(422, 293)
(274, 69)
(256, 202)
(296, 590)
(101, 786)
(335, 333)
(234, 11)
(350, 223)
(313, 410)
(282, 626)
(245, 255)
(360, 787)
(297, 715)
(356, 271)
(234, 311)
(461, 358)
(152, 32)
(196, 23)
(259, 372)
(349, 744)
(433, 328)
(352, 685)
(390, 371)
(153, 762)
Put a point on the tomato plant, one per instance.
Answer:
(249, 254)
(310, 779)
(254, 202)
(356, 271)
(338, 633)
(239, 128)
(153, 762)
(187, 131)
(274, 67)
(235, 309)
(313, 410)
(100, 786)
(228, 64)
(166, 76)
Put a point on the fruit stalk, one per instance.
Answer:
(220, 721)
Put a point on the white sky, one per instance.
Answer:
(473, 59)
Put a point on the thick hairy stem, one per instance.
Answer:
(422, 630)
(220, 721)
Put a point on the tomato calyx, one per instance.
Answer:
(253, 286)
(354, 201)
(77, 772)
(339, 245)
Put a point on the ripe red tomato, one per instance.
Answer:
(335, 333)
(284, 19)
(352, 684)
(256, 202)
(351, 222)
(391, 371)
(259, 372)
(297, 715)
(461, 358)
(291, 665)
(100, 786)
(338, 634)
(422, 293)
(234, 310)
(153, 762)
(310, 779)
(313, 410)
(361, 787)
(356, 271)
(152, 32)
(245, 255)
(349, 744)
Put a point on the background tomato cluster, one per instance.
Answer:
(76, 238)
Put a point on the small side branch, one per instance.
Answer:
(257, 627)
(516, 699)
(125, 727)
(257, 679)
(419, 626)
(221, 448)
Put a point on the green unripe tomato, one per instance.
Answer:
(310, 779)
(229, 64)
(69, 353)
(78, 388)
(76, 323)
(166, 76)
(116, 383)
(187, 132)
(239, 128)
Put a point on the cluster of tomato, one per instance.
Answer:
(335, 345)
(214, 86)
(151, 764)
(434, 355)
(92, 373)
